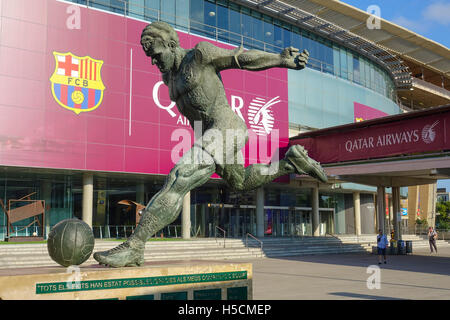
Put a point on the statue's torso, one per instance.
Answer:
(199, 94)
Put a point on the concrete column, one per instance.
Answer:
(260, 212)
(357, 211)
(315, 211)
(381, 208)
(413, 200)
(391, 214)
(46, 195)
(433, 205)
(88, 198)
(396, 212)
(140, 193)
(238, 224)
(186, 217)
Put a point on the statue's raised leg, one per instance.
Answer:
(162, 209)
(296, 160)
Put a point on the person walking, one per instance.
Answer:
(382, 242)
(432, 236)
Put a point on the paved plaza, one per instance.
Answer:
(344, 277)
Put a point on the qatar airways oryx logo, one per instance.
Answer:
(260, 116)
(428, 133)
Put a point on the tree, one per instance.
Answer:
(443, 219)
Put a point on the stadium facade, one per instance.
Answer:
(87, 122)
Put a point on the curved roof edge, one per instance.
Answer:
(293, 14)
(437, 52)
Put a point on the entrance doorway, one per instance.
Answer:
(276, 222)
(236, 221)
(326, 224)
(287, 222)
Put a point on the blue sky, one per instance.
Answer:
(429, 18)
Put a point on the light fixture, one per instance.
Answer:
(212, 13)
(268, 34)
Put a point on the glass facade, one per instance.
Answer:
(63, 193)
(325, 100)
(287, 210)
(234, 24)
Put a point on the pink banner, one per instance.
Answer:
(410, 136)
(363, 112)
(66, 74)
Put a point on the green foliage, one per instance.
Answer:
(422, 222)
(443, 219)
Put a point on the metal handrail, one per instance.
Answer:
(224, 234)
(430, 86)
(246, 241)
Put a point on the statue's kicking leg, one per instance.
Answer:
(296, 160)
(162, 209)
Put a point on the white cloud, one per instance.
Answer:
(438, 12)
(414, 25)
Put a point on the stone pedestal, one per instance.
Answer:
(183, 280)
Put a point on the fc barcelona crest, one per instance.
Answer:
(76, 83)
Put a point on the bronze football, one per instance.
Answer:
(70, 242)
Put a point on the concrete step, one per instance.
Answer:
(316, 252)
(47, 261)
(105, 245)
(28, 255)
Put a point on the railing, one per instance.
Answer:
(224, 234)
(124, 231)
(443, 234)
(253, 237)
(100, 232)
(22, 231)
(421, 230)
(431, 87)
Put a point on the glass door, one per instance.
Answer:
(247, 221)
(326, 222)
(305, 223)
(295, 225)
(268, 222)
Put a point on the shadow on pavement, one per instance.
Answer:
(420, 262)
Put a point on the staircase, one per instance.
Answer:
(418, 241)
(33, 255)
(279, 247)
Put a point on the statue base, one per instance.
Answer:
(174, 280)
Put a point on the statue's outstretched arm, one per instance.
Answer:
(254, 60)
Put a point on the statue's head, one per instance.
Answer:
(159, 41)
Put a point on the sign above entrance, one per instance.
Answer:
(398, 135)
